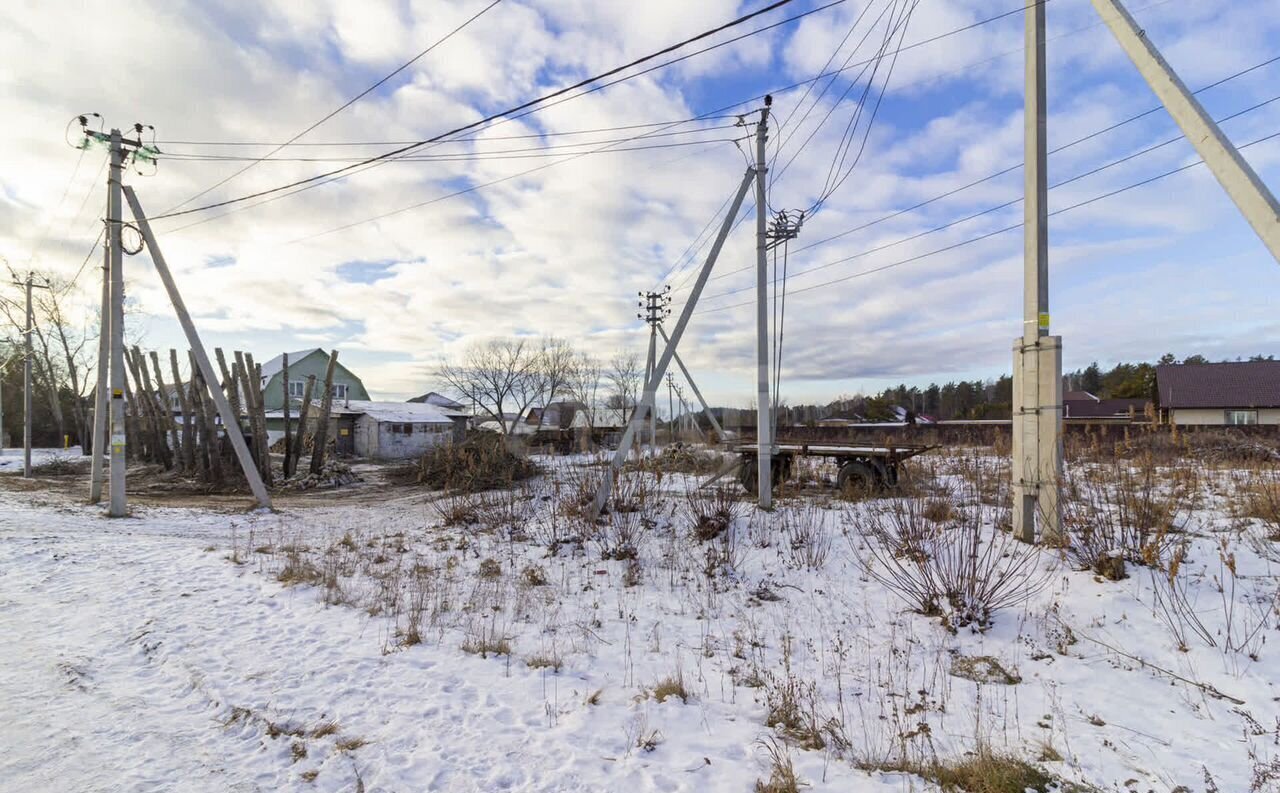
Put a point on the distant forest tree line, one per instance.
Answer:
(985, 399)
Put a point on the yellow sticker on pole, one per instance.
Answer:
(1044, 320)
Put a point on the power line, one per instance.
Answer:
(462, 139)
(991, 234)
(1012, 168)
(348, 104)
(846, 67)
(495, 116)
(454, 156)
(1006, 204)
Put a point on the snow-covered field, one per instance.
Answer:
(344, 645)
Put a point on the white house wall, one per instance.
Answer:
(1216, 417)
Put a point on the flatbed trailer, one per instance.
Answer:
(869, 466)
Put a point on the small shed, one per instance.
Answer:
(398, 430)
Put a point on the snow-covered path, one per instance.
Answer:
(137, 657)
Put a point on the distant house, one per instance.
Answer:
(1218, 394)
(391, 430)
(346, 385)
(1083, 405)
(439, 400)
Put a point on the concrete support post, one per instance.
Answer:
(764, 411)
(1037, 364)
(118, 505)
(1232, 171)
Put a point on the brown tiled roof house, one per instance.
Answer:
(1244, 392)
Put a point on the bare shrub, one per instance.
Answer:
(1126, 512)
(1259, 498)
(712, 511)
(963, 573)
(808, 542)
(462, 509)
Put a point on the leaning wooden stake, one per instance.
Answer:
(303, 412)
(322, 422)
(211, 448)
(253, 382)
(184, 404)
(170, 422)
(288, 433)
(228, 382)
(201, 357)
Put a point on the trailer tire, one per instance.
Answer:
(856, 474)
(749, 478)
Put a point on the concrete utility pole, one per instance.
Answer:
(1232, 171)
(764, 411)
(1037, 364)
(100, 401)
(118, 505)
(656, 307)
(26, 385)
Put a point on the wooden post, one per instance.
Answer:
(322, 423)
(138, 410)
(303, 412)
(228, 382)
(288, 433)
(168, 412)
(185, 405)
(204, 390)
(155, 409)
(258, 416)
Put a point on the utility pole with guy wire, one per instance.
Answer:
(657, 306)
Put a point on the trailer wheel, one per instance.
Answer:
(749, 478)
(856, 475)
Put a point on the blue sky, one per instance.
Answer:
(1167, 267)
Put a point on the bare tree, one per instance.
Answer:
(625, 376)
(503, 378)
(556, 360)
(583, 385)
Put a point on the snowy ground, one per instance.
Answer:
(340, 646)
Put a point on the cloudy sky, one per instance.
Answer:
(562, 243)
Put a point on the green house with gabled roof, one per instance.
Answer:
(346, 385)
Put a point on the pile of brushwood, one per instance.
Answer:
(481, 462)
(681, 458)
(334, 473)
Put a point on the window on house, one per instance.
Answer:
(339, 390)
(1237, 418)
(296, 388)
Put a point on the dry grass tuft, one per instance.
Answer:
(671, 686)
(324, 728)
(782, 774)
(350, 744)
(545, 661)
(985, 772)
(485, 646)
(490, 569)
